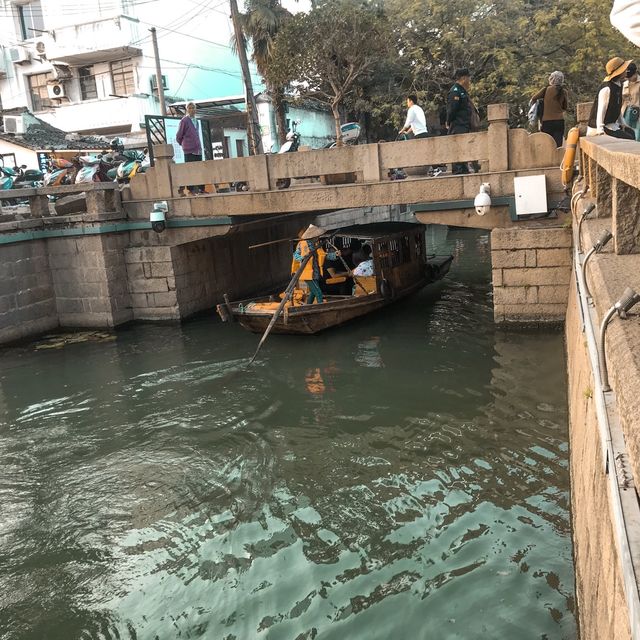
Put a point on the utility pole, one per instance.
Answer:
(159, 83)
(253, 128)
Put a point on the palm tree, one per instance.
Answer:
(260, 22)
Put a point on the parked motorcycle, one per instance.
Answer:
(133, 164)
(291, 145)
(60, 171)
(19, 178)
(94, 169)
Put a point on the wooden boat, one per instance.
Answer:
(401, 267)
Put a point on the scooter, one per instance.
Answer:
(132, 164)
(60, 171)
(94, 169)
(28, 177)
(291, 145)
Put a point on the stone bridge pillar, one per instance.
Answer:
(531, 269)
(498, 116)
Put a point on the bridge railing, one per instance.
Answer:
(611, 169)
(95, 199)
(498, 149)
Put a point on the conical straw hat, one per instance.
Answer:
(313, 232)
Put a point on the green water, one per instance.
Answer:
(403, 477)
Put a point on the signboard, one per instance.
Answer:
(163, 130)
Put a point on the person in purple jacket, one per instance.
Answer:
(188, 137)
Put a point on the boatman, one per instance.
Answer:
(312, 272)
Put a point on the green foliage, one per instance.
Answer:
(332, 51)
(389, 48)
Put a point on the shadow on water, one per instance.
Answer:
(403, 476)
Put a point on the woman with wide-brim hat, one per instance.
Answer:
(606, 112)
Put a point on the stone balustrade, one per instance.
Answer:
(500, 150)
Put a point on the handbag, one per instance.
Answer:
(474, 117)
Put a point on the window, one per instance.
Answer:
(88, 89)
(39, 92)
(239, 148)
(122, 78)
(30, 19)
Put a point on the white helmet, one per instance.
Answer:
(290, 135)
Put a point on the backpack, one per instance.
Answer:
(536, 111)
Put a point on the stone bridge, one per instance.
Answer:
(103, 265)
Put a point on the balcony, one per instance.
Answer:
(92, 42)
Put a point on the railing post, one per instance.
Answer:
(583, 111)
(370, 162)
(498, 146)
(163, 161)
(38, 206)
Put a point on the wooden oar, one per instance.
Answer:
(346, 266)
(266, 244)
(287, 294)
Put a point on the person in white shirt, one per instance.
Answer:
(416, 121)
(365, 268)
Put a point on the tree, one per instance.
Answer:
(329, 52)
(510, 46)
(253, 128)
(261, 22)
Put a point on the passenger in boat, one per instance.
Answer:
(365, 268)
(334, 268)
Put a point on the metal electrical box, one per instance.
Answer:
(531, 195)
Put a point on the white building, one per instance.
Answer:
(89, 67)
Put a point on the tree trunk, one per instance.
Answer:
(278, 107)
(336, 117)
(253, 128)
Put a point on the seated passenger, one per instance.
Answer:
(365, 268)
(334, 268)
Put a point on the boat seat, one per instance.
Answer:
(369, 284)
(336, 280)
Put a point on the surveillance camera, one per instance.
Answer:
(158, 218)
(482, 201)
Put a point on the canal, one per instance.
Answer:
(405, 476)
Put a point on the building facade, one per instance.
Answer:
(91, 69)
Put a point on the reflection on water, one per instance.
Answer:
(402, 477)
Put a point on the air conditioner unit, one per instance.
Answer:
(41, 49)
(13, 124)
(56, 90)
(19, 55)
(154, 83)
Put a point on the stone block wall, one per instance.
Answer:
(152, 283)
(27, 298)
(89, 280)
(531, 270)
(600, 594)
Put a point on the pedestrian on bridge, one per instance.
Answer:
(416, 121)
(631, 99)
(459, 111)
(606, 112)
(188, 137)
(554, 97)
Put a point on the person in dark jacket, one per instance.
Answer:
(459, 111)
(188, 137)
(555, 104)
(606, 112)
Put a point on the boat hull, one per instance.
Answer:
(314, 318)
